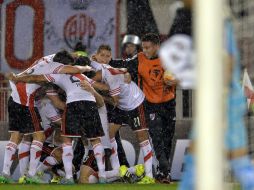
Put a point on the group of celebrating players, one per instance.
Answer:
(64, 113)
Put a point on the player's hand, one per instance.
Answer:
(10, 76)
(169, 79)
(127, 78)
(171, 82)
(87, 68)
(93, 58)
(123, 70)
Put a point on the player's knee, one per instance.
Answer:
(95, 141)
(113, 129)
(87, 175)
(142, 135)
(57, 154)
(39, 136)
(27, 138)
(16, 137)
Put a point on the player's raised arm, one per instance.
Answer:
(69, 69)
(26, 78)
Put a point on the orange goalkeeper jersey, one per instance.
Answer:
(151, 80)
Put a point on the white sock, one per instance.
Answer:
(99, 155)
(148, 157)
(67, 158)
(48, 163)
(109, 180)
(60, 172)
(93, 179)
(9, 154)
(112, 174)
(132, 170)
(114, 155)
(24, 156)
(35, 155)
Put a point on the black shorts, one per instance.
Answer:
(23, 119)
(82, 118)
(134, 118)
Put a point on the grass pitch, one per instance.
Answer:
(89, 187)
(229, 186)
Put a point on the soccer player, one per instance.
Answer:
(146, 70)
(128, 108)
(102, 57)
(89, 171)
(23, 115)
(50, 117)
(81, 117)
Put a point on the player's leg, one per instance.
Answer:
(88, 175)
(113, 129)
(116, 119)
(15, 117)
(38, 140)
(168, 116)
(35, 152)
(141, 130)
(70, 128)
(10, 150)
(94, 131)
(67, 158)
(24, 154)
(99, 156)
(53, 156)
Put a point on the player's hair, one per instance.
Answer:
(151, 37)
(103, 47)
(82, 61)
(63, 57)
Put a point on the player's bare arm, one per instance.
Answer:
(86, 86)
(100, 86)
(57, 102)
(115, 100)
(26, 78)
(68, 69)
(127, 78)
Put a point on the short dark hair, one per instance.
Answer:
(63, 57)
(151, 37)
(82, 61)
(103, 47)
(85, 61)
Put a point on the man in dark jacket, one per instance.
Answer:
(146, 70)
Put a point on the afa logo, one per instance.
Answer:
(79, 27)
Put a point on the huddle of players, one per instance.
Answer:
(81, 114)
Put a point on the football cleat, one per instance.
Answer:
(126, 176)
(147, 180)
(140, 170)
(5, 179)
(22, 179)
(56, 179)
(65, 181)
(34, 180)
